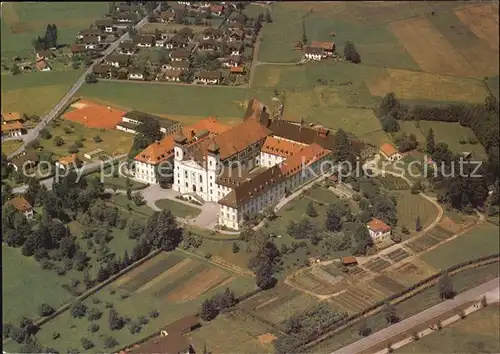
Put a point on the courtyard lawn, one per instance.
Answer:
(119, 182)
(412, 205)
(481, 241)
(478, 332)
(180, 210)
(36, 92)
(122, 202)
(114, 142)
(26, 286)
(23, 21)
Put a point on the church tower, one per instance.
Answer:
(213, 162)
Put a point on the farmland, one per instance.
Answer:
(170, 283)
(482, 240)
(478, 332)
(412, 205)
(21, 22)
(10, 146)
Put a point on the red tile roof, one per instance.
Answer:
(305, 157)
(281, 147)
(20, 204)
(388, 149)
(377, 225)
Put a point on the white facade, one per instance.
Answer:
(144, 45)
(313, 56)
(126, 51)
(136, 76)
(394, 157)
(235, 52)
(209, 81)
(379, 236)
(145, 172)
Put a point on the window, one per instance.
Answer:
(185, 174)
(201, 179)
(186, 184)
(210, 184)
(178, 182)
(201, 189)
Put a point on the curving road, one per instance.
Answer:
(33, 133)
(475, 294)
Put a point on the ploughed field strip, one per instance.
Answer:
(358, 298)
(150, 270)
(318, 281)
(165, 288)
(422, 243)
(386, 284)
(376, 265)
(397, 255)
(285, 307)
(357, 271)
(440, 233)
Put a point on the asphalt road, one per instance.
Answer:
(48, 182)
(406, 325)
(33, 133)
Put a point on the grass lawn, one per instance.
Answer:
(26, 286)
(10, 146)
(135, 304)
(122, 202)
(178, 209)
(477, 333)
(493, 84)
(114, 142)
(116, 182)
(178, 102)
(462, 281)
(480, 241)
(412, 205)
(21, 22)
(36, 92)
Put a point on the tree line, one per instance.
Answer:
(49, 39)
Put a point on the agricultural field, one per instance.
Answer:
(318, 281)
(482, 240)
(477, 332)
(422, 243)
(411, 271)
(360, 296)
(21, 22)
(186, 104)
(113, 142)
(10, 146)
(397, 255)
(171, 283)
(26, 286)
(180, 210)
(376, 264)
(412, 205)
(37, 92)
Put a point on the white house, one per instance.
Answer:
(312, 53)
(379, 231)
(390, 152)
(209, 77)
(12, 129)
(136, 74)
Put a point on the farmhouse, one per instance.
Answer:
(100, 70)
(379, 231)
(11, 117)
(390, 152)
(27, 160)
(235, 47)
(78, 49)
(11, 129)
(176, 42)
(127, 48)
(90, 42)
(106, 25)
(176, 65)
(180, 54)
(236, 35)
(136, 73)
(328, 47)
(42, 65)
(173, 75)
(68, 162)
(313, 53)
(232, 62)
(44, 55)
(22, 206)
(212, 33)
(132, 119)
(95, 33)
(118, 60)
(145, 41)
(125, 18)
(209, 77)
(208, 45)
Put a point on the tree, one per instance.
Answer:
(445, 285)
(225, 300)
(134, 327)
(333, 220)
(90, 79)
(97, 139)
(236, 248)
(388, 104)
(418, 225)
(138, 199)
(389, 123)
(208, 310)
(115, 321)
(110, 342)
(390, 313)
(363, 329)
(58, 141)
(268, 16)
(78, 310)
(484, 301)
(15, 69)
(311, 211)
(350, 53)
(46, 310)
(86, 343)
(264, 276)
(430, 142)
(343, 147)
(45, 134)
(94, 314)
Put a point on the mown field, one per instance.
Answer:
(410, 206)
(478, 332)
(24, 21)
(36, 92)
(171, 283)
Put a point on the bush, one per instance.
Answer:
(46, 310)
(34, 144)
(78, 310)
(58, 141)
(154, 314)
(78, 144)
(97, 139)
(86, 343)
(73, 149)
(110, 342)
(93, 327)
(68, 130)
(45, 134)
(405, 230)
(94, 314)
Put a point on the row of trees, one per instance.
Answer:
(49, 40)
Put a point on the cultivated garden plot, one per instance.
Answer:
(376, 265)
(397, 255)
(357, 298)
(422, 243)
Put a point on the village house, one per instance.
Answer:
(91, 32)
(236, 35)
(158, 152)
(11, 117)
(232, 61)
(132, 119)
(237, 19)
(45, 55)
(90, 42)
(179, 55)
(106, 25)
(78, 49)
(160, 43)
(102, 71)
(313, 53)
(216, 9)
(173, 75)
(237, 70)
(10, 130)
(127, 48)
(186, 32)
(209, 77)
(167, 16)
(176, 65)
(125, 18)
(136, 73)
(118, 60)
(22, 205)
(212, 33)
(379, 231)
(349, 261)
(42, 65)
(390, 153)
(208, 45)
(235, 47)
(24, 162)
(68, 162)
(145, 41)
(176, 42)
(328, 47)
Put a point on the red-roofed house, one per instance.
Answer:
(390, 152)
(22, 206)
(379, 231)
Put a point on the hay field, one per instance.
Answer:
(412, 85)
(482, 20)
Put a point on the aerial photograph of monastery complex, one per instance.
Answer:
(250, 177)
